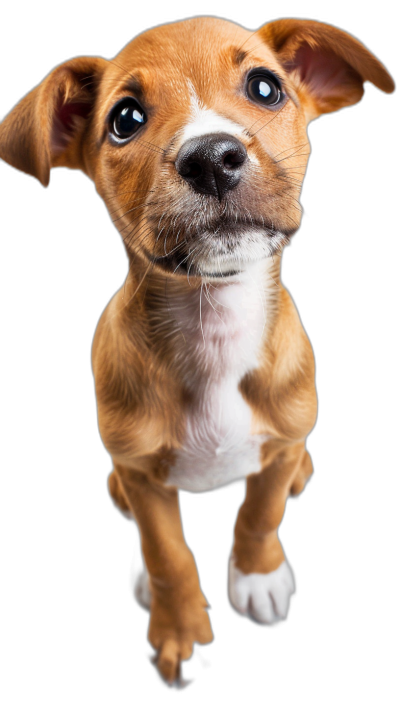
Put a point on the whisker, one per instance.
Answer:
(299, 146)
(209, 298)
(249, 38)
(131, 191)
(138, 233)
(270, 121)
(191, 263)
(175, 248)
(126, 204)
(147, 283)
(291, 155)
(121, 67)
(201, 322)
(148, 145)
(140, 283)
(135, 208)
(183, 260)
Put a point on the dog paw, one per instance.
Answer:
(173, 635)
(264, 597)
(142, 589)
(168, 662)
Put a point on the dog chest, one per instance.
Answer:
(218, 446)
(222, 340)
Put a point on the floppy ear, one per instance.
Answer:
(45, 129)
(328, 66)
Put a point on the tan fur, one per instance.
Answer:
(141, 394)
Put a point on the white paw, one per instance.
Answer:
(142, 589)
(264, 597)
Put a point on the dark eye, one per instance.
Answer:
(264, 88)
(126, 118)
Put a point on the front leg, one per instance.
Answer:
(261, 581)
(178, 617)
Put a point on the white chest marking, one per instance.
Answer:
(219, 350)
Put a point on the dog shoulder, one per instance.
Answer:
(282, 390)
(138, 400)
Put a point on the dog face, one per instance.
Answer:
(195, 135)
(211, 195)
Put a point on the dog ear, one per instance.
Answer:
(45, 129)
(327, 66)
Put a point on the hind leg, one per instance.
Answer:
(142, 586)
(304, 473)
(117, 495)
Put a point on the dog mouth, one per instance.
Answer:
(182, 263)
(222, 251)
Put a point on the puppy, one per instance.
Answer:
(196, 138)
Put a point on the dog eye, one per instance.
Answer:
(264, 88)
(126, 118)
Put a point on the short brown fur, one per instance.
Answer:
(141, 395)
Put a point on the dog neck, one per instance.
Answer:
(211, 331)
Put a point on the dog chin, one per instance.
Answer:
(223, 261)
(221, 256)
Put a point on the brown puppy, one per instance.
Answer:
(195, 136)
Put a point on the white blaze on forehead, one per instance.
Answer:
(209, 122)
(206, 121)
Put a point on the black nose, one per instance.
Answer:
(212, 164)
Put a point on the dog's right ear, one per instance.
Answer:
(46, 128)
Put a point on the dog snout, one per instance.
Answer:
(212, 164)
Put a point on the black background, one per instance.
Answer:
(72, 632)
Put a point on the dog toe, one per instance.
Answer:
(264, 597)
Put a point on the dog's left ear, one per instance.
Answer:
(45, 129)
(327, 66)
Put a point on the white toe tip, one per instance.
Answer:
(265, 597)
(142, 590)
